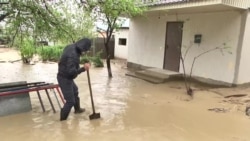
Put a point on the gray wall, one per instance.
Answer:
(98, 45)
(14, 104)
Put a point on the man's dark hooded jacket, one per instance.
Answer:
(68, 69)
(68, 66)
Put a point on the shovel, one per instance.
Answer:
(94, 115)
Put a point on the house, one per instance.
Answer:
(155, 39)
(121, 45)
(120, 35)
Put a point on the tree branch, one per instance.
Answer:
(51, 13)
(2, 17)
(191, 71)
(102, 35)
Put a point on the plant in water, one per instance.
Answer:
(97, 60)
(50, 53)
(27, 50)
(85, 59)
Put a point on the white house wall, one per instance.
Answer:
(121, 51)
(244, 68)
(147, 42)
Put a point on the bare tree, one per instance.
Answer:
(187, 78)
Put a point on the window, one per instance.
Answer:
(122, 41)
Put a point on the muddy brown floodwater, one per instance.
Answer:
(131, 109)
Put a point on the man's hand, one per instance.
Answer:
(86, 66)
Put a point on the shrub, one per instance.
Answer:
(97, 60)
(50, 53)
(85, 59)
(27, 50)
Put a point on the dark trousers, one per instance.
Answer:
(70, 93)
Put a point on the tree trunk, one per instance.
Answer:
(108, 60)
(187, 84)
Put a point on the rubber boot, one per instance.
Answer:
(63, 115)
(77, 107)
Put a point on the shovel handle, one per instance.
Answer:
(90, 90)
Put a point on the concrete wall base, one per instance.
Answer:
(14, 104)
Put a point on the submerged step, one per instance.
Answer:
(146, 78)
(155, 75)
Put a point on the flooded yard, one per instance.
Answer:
(131, 109)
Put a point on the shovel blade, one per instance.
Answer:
(94, 116)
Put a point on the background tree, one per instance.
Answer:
(109, 12)
(54, 20)
(44, 20)
(76, 21)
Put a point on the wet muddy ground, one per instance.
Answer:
(131, 109)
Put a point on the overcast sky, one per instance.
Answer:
(103, 26)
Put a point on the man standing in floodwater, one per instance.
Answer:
(68, 70)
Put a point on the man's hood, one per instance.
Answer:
(83, 45)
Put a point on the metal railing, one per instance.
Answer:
(235, 3)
